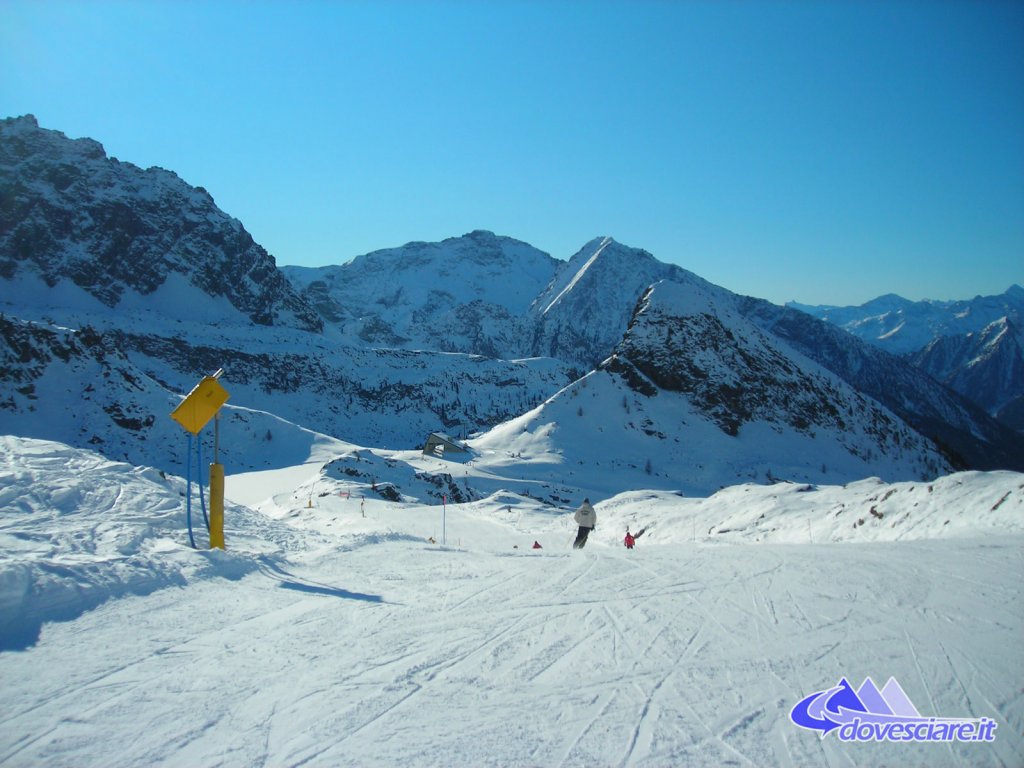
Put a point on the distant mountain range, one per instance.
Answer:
(408, 297)
(976, 347)
(122, 286)
(902, 326)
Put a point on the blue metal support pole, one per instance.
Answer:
(202, 498)
(188, 492)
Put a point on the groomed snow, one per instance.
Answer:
(333, 632)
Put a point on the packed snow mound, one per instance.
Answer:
(962, 505)
(77, 529)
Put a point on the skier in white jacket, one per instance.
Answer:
(586, 519)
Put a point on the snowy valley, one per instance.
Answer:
(814, 508)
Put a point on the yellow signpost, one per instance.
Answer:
(193, 413)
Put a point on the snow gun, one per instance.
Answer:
(193, 413)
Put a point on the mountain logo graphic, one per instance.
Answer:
(882, 714)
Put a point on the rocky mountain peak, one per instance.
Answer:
(24, 140)
(483, 238)
(71, 214)
(686, 340)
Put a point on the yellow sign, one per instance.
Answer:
(201, 405)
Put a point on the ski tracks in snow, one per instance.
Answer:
(403, 654)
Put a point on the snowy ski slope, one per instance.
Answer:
(325, 637)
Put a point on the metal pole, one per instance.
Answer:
(188, 492)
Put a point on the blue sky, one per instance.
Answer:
(826, 152)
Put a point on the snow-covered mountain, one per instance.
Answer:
(585, 309)
(986, 366)
(129, 285)
(108, 234)
(465, 294)
(696, 397)
(461, 335)
(976, 346)
(486, 294)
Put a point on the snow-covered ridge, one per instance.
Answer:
(961, 505)
(986, 366)
(579, 275)
(112, 391)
